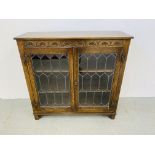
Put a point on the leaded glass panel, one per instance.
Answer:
(52, 79)
(96, 72)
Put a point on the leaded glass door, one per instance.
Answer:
(95, 73)
(52, 73)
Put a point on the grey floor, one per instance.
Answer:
(134, 116)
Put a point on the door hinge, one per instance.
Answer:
(123, 58)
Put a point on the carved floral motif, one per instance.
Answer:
(73, 43)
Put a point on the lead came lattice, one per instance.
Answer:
(52, 79)
(96, 73)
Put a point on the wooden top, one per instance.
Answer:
(74, 35)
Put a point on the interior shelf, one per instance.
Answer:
(97, 71)
(83, 91)
(62, 91)
(81, 71)
(51, 71)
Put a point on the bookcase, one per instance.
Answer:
(74, 72)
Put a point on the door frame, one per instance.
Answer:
(28, 52)
(113, 102)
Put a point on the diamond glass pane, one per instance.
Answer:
(52, 79)
(96, 72)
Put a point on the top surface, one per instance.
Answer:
(74, 35)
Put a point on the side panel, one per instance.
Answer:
(120, 73)
(20, 44)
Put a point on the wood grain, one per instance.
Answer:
(73, 43)
(74, 35)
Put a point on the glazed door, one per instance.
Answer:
(52, 78)
(96, 73)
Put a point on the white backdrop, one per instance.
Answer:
(139, 77)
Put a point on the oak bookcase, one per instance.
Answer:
(74, 72)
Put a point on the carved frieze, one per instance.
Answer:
(73, 43)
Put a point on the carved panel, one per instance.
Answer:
(73, 43)
(26, 58)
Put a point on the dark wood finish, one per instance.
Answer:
(72, 43)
